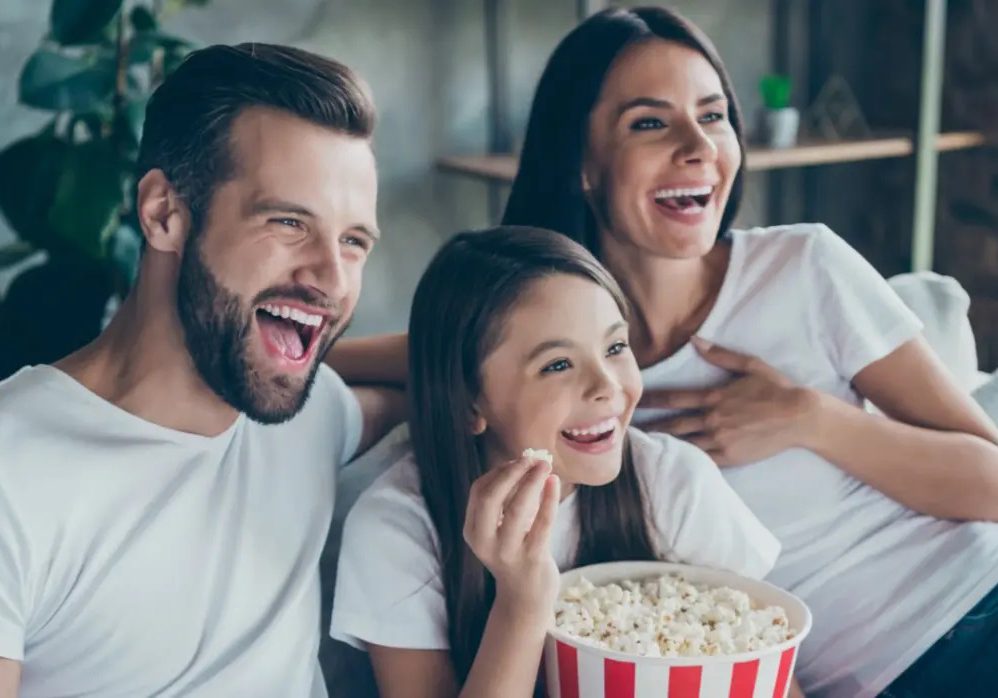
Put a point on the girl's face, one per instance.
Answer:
(561, 378)
(661, 156)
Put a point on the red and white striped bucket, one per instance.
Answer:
(573, 669)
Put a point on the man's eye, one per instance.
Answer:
(557, 366)
(355, 241)
(288, 222)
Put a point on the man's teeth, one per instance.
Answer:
(601, 428)
(678, 192)
(289, 313)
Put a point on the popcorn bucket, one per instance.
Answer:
(574, 669)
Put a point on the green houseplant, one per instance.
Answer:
(780, 121)
(67, 190)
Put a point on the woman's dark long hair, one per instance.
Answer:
(458, 318)
(547, 191)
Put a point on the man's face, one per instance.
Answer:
(272, 278)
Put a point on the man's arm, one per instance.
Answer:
(10, 678)
(380, 360)
(382, 408)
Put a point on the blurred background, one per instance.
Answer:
(894, 100)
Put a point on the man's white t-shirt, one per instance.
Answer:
(389, 585)
(136, 560)
(883, 582)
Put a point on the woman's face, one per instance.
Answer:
(662, 155)
(561, 378)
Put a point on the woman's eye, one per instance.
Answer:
(557, 366)
(711, 117)
(648, 123)
(617, 348)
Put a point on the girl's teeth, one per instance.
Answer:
(600, 428)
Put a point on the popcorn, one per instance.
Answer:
(669, 616)
(538, 454)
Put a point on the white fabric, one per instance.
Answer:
(136, 560)
(883, 582)
(389, 589)
(941, 303)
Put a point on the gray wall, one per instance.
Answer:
(425, 62)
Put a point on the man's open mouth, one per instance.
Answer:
(292, 331)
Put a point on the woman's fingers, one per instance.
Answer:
(539, 536)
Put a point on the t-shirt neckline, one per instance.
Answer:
(54, 374)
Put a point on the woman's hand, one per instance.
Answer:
(759, 413)
(511, 511)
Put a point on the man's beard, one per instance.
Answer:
(217, 331)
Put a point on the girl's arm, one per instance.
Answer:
(378, 360)
(512, 541)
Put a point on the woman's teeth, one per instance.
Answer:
(681, 192)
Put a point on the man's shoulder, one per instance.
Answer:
(29, 399)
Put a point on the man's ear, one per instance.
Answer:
(163, 215)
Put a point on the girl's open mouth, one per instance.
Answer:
(596, 438)
(289, 333)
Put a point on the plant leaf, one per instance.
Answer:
(144, 44)
(88, 199)
(15, 252)
(81, 21)
(29, 174)
(142, 19)
(53, 81)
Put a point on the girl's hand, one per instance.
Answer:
(758, 414)
(511, 511)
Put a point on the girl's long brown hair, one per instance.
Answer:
(458, 317)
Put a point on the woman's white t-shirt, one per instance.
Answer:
(883, 582)
(389, 587)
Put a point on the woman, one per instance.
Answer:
(518, 339)
(634, 149)
(639, 156)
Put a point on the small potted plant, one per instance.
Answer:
(780, 121)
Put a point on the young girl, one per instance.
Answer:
(449, 565)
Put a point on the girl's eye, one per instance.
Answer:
(647, 124)
(557, 366)
(617, 348)
(711, 117)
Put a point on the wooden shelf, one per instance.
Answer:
(502, 168)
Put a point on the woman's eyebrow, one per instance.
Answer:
(658, 103)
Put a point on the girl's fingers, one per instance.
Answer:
(539, 536)
(488, 493)
(521, 508)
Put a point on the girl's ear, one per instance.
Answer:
(478, 424)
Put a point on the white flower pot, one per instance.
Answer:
(779, 127)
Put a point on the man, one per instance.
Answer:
(165, 492)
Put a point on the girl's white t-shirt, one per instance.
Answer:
(389, 588)
(883, 582)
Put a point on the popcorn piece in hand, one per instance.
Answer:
(538, 454)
